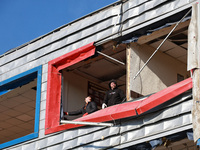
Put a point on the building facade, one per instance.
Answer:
(143, 44)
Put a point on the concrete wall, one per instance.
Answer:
(159, 73)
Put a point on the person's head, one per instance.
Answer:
(88, 99)
(112, 84)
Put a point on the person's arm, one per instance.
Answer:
(73, 113)
(105, 102)
(93, 107)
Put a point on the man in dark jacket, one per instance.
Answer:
(113, 96)
(88, 108)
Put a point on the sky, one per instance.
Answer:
(24, 20)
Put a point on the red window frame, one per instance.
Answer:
(52, 119)
(135, 108)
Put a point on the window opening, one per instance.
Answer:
(76, 76)
(161, 44)
(19, 105)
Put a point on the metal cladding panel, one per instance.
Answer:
(154, 15)
(170, 112)
(77, 138)
(156, 128)
(71, 134)
(89, 138)
(141, 9)
(103, 144)
(132, 3)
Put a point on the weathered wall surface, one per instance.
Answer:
(159, 73)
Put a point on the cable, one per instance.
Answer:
(161, 44)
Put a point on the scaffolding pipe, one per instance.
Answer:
(110, 57)
(161, 44)
(87, 123)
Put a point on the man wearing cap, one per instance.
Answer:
(113, 96)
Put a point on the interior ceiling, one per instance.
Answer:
(17, 112)
(101, 69)
(175, 45)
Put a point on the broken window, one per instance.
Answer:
(89, 76)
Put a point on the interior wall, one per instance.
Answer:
(74, 91)
(159, 73)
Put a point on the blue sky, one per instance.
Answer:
(24, 20)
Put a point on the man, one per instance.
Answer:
(88, 108)
(113, 96)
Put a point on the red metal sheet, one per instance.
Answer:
(74, 56)
(108, 114)
(164, 95)
(112, 113)
(130, 108)
(53, 98)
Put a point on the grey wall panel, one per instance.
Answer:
(156, 128)
(171, 112)
(42, 114)
(103, 144)
(45, 68)
(139, 10)
(132, 3)
(42, 124)
(52, 140)
(44, 77)
(72, 139)
(14, 70)
(149, 138)
(43, 105)
(153, 13)
(153, 20)
(41, 133)
(43, 96)
(44, 86)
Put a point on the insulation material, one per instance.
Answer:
(193, 48)
(193, 64)
(196, 104)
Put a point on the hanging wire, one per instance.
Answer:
(161, 44)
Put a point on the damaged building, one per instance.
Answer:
(149, 46)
